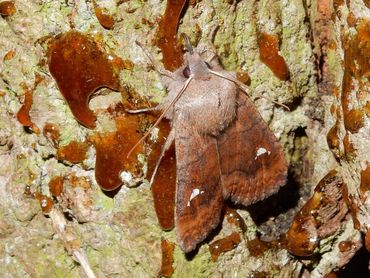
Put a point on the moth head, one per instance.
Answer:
(196, 66)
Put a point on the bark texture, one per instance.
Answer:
(325, 136)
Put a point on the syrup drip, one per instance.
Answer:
(269, 55)
(224, 245)
(105, 19)
(235, 218)
(56, 186)
(112, 149)
(46, 203)
(51, 132)
(166, 35)
(7, 8)
(80, 67)
(23, 114)
(74, 152)
(167, 259)
(365, 181)
(356, 66)
(317, 218)
(258, 247)
(164, 184)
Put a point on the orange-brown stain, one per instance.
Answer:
(354, 120)
(303, 236)
(332, 138)
(257, 247)
(166, 37)
(356, 66)
(259, 274)
(331, 275)
(77, 181)
(353, 207)
(120, 63)
(269, 55)
(351, 20)
(164, 183)
(362, 95)
(367, 109)
(23, 114)
(233, 217)
(367, 240)
(74, 152)
(337, 3)
(9, 55)
(168, 249)
(52, 133)
(46, 203)
(112, 149)
(333, 109)
(243, 77)
(367, 3)
(104, 17)
(224, 245)
(365, 180)
(80, 67)
(332, 45)
(27, 191)
(336, 91)
(56, 186)
(349, 149)
(148, 22)
(345, 246)
(7, 8)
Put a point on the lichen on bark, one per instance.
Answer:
(120, 235)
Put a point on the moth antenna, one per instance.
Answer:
(161, 116)
(156, 68)
(188, 46)
(244, 89)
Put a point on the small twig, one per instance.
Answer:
(81, 257)
(60, 224)
(142, 110)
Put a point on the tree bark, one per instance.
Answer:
(312, 227)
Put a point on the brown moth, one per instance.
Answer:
(224, 149)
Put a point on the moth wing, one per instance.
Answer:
(199, 199)
(252, 161)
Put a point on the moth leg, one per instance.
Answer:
(166, 146)
(165, 110)
(156, 67)
(258, 94)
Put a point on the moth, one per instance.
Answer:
(224, 149)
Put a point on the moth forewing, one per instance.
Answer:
(224, 149)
